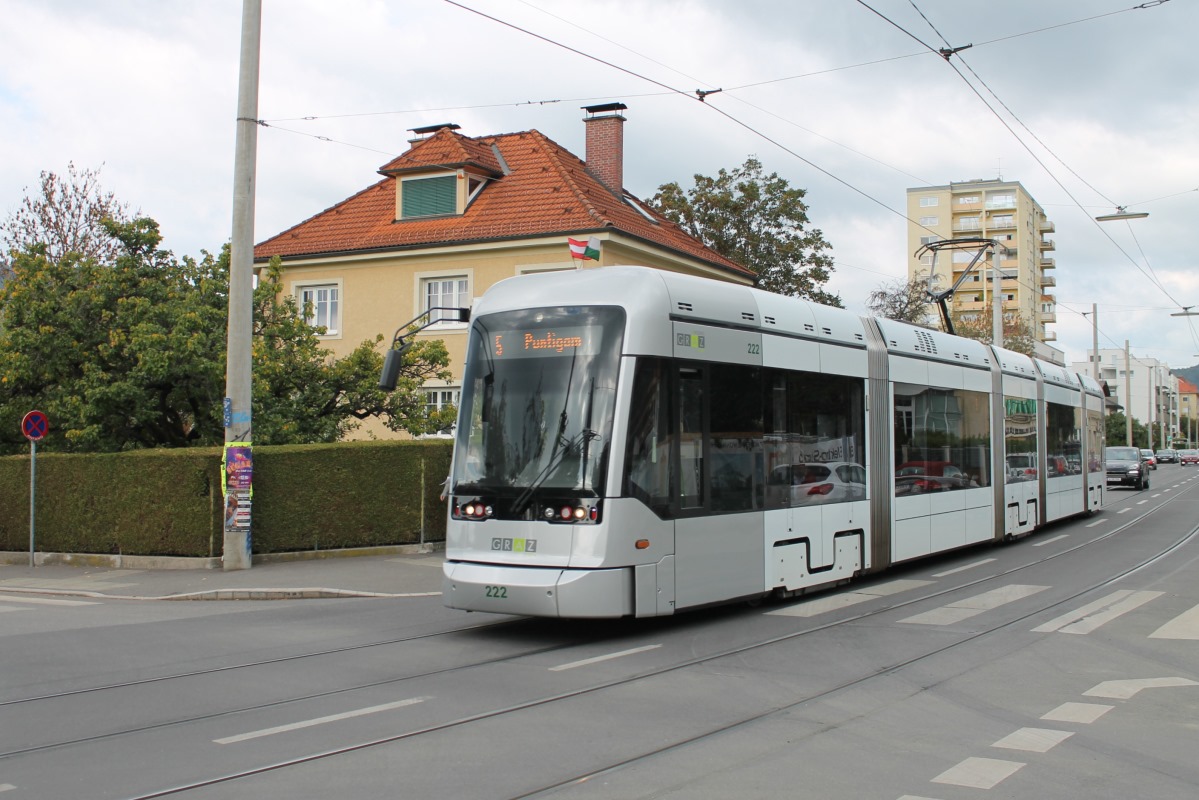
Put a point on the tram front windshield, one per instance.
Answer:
(537, 403)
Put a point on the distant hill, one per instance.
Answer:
(1190, 373)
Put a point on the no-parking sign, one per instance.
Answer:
(34, 425)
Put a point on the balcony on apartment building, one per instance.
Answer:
(1048, 263)
(1048, 244)
(1048, 280)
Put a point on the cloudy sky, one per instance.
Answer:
(1089, 104)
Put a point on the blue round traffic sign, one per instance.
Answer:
(34, 425)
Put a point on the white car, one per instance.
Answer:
(816, 483)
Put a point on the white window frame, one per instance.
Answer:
(930, 202)
(930, 220)
(301, 288)
(459, 296)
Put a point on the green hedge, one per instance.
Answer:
(168, 502)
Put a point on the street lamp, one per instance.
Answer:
(1121, 213)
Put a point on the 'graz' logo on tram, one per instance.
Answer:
(514, 545)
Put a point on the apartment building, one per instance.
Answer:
(1143, 387)
(990, 209)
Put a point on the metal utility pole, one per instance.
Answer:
(237, 467)
(1095, 341)
(1127, 395)
(997, 298)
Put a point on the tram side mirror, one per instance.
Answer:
(391, 367)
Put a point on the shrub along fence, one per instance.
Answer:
(168, 502)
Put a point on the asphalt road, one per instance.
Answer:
(1065, 665)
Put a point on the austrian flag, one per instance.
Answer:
(588, 250)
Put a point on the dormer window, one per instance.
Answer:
(432, 196)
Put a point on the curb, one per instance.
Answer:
(119, 561)
(222, 594)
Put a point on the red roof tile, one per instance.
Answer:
(545, 190)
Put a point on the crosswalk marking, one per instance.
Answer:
(1184, 626)
(1081, 713)
(834, 602)
(1089, 617)
(972, 606)
(1033, 740)
(978, 773)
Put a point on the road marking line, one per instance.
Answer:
(978, 773)
(6, 787)
(46, 601)
(1154, 496)
(1033, 740)
(1184, 626)
(972, 606)
(1097, 522)
(1083, 621)
(587, 661)
(1124, 511)
(963, 569)
(1082, 713)
(1123, 690)
(822, 605)
(361, 712)
(1051, 541)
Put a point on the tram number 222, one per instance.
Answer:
(500, 592)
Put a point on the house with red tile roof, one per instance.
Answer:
(455, 214)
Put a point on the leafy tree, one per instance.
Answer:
(1017, 334)
(66, 215)
(1116, 431)
(757, 220)
(905, 301)
(131, 353)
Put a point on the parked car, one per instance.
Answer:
(918, 477)
(1126, 466)
(814, 483)
(1150, 459)
(1188, 457)
(1167, 456)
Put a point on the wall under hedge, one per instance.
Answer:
(168, 502)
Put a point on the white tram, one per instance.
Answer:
(633, 442)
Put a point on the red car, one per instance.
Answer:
(1188, 457)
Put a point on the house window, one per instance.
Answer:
(446, 293)
(929, 202)
(429, 197)
(438, 399)
(930, 220)
(321, 307)
(968, 200)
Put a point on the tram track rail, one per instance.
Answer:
(747, 720)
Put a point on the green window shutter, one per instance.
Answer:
(426, 197)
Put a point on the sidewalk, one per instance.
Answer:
(382, 574)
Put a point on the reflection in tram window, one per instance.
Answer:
(1020, 438)
(942, 439)
(1063, 440)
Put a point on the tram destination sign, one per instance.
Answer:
(583, 340)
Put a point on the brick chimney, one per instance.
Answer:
(605, 144)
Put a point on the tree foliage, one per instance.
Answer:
(759, 221)
(130, 353)
(1017, 333)
(66, 215)
(905, 301)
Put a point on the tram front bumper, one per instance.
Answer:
(538, 591)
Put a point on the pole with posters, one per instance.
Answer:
(34, 425)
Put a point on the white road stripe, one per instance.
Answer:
(833, 602)
(1142, 502)
(1184, 626)
(972, 606)
(1033, 740)
(978, 773)
(1083, 620)
(1097, 522)
(1127, 689)
(1124, 511)
(6, 787)
(963, 569)
(308, 723)
(586, 661)
(46, 601)
(1051, 541)
(1081, 713)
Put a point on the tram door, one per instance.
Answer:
(718, 552)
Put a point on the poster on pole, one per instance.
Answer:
(237, 475)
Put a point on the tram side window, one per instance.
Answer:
(1063, 440)
(691, 438)
(942, 439)
(1095, 440)
(736, 437)
(647, 464)
(1020, 439)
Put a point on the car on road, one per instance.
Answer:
(1188, 457)
(1150, 459)
(1167, 456)
(1126, 467)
